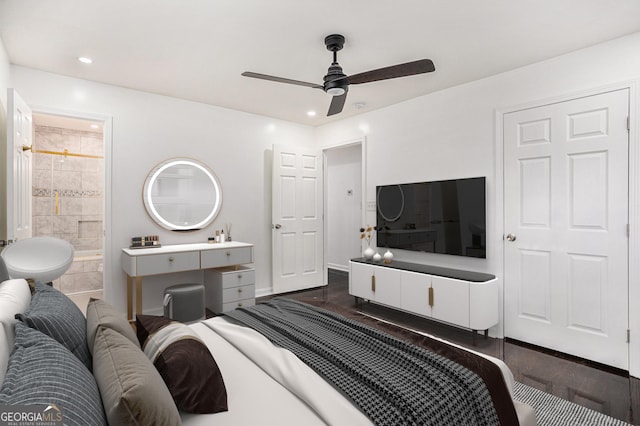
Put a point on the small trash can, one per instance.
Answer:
(184, 302)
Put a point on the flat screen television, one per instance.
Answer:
(446, 216)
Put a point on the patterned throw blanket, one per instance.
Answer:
(391, 381)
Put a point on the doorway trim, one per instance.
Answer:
(362, 142)
(107, 137)
(634, 202)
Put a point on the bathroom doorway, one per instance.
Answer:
(68, 196)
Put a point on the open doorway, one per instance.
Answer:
(343, 204)
(68, 196)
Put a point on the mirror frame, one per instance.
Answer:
(148, 191)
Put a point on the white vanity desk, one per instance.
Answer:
(138, 263)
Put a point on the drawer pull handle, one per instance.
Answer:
(373, 283)
(239, 290)
(239, 276)
(239, 305)
(171, 259)
(228, 253)
(430, 296)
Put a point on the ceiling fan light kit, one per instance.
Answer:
(336, 82)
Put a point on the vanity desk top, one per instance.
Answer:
(138, 263)
(177, 248)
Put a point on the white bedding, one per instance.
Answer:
(262, 382)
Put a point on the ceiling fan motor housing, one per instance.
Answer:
(335, 82)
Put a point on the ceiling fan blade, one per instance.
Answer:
(280, 79)
(402, 70)
(337, 103)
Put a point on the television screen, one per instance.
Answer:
(445, 217)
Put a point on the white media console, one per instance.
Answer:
(462, 298)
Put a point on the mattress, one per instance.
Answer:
(269, 385)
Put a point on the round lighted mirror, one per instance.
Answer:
(182, 194)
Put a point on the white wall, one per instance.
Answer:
(148, 129)
(343, 211)
(453, 133)
(4, 83)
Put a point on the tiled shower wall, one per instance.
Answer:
(67, 199)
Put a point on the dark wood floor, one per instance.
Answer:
(602, 389)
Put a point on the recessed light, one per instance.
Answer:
(311, 113)
(85, 60)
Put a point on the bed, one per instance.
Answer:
(230, 363)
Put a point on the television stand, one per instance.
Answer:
(454, 296)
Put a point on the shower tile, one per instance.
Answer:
(68, 163)
(42, 162)
(92, 265)
(91, 181)
(70, 206)
(41, 178)
(64, 179)
(42, 226)
(89, 229)
(91, 206)
(66, 226)
(42, 206)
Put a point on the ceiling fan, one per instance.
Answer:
(336, 83)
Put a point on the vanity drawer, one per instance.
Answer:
(243, 276)
(238, 293)
(226, 307)
(154, 264)
(226, 256)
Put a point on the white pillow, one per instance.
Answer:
(15, 297)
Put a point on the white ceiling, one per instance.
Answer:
(197, 49)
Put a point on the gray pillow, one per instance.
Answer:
(132, 390)
(54, 314)
(42, 371)
(101, 313)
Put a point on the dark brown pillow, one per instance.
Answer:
(185, 364)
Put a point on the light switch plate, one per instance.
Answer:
(371, 206)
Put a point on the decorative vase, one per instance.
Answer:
(388, 256)
(368, 253)
(377, 257)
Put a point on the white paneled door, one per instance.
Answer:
(18, 167)
(297, 219)
(566, 226)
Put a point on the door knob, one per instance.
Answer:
(511, 237)
(277, 226)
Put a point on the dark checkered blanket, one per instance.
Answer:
(391, 381)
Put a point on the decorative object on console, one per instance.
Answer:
(149, 241)
(184, 363)
(377, 257)
(366, 233)
(388, 257)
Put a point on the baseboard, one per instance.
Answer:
(343, 268)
